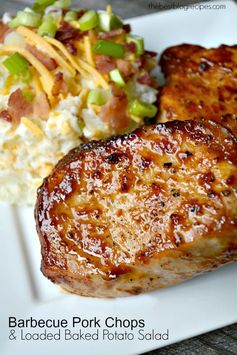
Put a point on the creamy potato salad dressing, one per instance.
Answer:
(25, 159)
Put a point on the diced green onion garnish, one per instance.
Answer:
(108, 22)
(97, 97)
(139, 42)
(116, 76)
(14, 23)
(47, 28)
(28, 9)
(25, 76)
(70, 16)
(16, 64)
(45, 2)
(28, 95)
(63, 4)
(109, 48)
(88, 21)
(141, 109)
(26, 18)
(80, 125)
(40, 5)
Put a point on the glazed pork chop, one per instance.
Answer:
(142, 211)
(201, 83)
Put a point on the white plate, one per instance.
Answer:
(195, 307)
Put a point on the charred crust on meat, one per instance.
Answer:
(167, 165)
(204, 65)
(113, 158)
(176, 194)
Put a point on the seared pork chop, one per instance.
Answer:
(141, 211)
(201, 83)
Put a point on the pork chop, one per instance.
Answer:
(141, 211)
(200, 83)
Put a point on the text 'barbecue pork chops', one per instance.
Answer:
(142, 211)
(201, 83)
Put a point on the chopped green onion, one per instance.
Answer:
(97, 97)
(26, 18)
(108, 22)
(80, 125)
(63, 4)
(14, 23)
(28, 95)
(47, 28)
(40, 6)
(26, 76)
(116, 76)
(16, 64)
(28, 9)
(70, 16)
(141, 109)
(45, 2)
(88, 21)
(139, 42)
(109, 48)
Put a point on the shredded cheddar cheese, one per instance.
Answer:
(96, 108)
(135, 118)
(46, 77)
(31, 36)
(36, 80)
(32, 127)
(83, 93)
(102, 82)
(64, 50)
(89, 55)
(75, 24)
(81, 66)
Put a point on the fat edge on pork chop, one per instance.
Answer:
(142, 211)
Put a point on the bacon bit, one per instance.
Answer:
(4, 30)
(114, 112)
(110, 34)
(18, 106)
(125, 67)
(41, 106)
(49, 63)
(145, 79)
(104, 64)
(127, 28)
(66, 32)
(141, 61)
(131, 47)
(60, 86)
(5, 115)
(67, 35)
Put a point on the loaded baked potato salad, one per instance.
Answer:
(66, 76)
